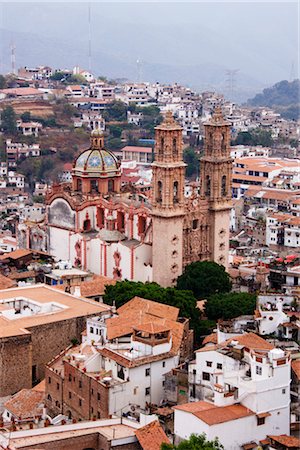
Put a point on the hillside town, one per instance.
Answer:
(149, 266)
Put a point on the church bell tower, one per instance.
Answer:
(216, 183)
(167, 202)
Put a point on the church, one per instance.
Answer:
(99, 228)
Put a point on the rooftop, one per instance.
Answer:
(27, 403)
(152, 436)
(69, 307)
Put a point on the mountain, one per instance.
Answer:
(35, 49)
(284, 97)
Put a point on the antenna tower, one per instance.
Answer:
(90, 38)
(231, 81)
(13, 58)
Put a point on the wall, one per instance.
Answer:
(16, 364)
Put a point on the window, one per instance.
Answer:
(175, 192)
(80, 402)
(70, 394)
(219, 366)
(195, 224)
(98, 396)
(147, 372)
(57, 386)
(205, 376)
(142, 221)
(120, 220)
(111, 185)
(49, 398)
(163, 383)
(98, 415)
(100, 217)
(174, 147)
(92, 330)
(164, 364)
(92, 391)
(80, 383)
(283, 391)
(207, 186)
(147, 391)
(261, 421)
(161, 148)
(224, 187)
(70, 377)
(209, 363)
(159, 192)
(79, 185)
(135, 391)
(49, 380)
(258, 370)
(94, 186)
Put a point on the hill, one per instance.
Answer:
(284, 97)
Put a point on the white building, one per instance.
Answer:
(243, 379)
(29, 128)
(16, 179)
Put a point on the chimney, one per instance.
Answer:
(77, 291)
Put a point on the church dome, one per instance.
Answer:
(97, 161)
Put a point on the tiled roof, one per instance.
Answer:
(6, 283)
(287, 441)
(211, 338)
(213, 415)
(27, 403)
(95, 286)
(151, 307)
(152, 327)
(152, 436)
(296, 368)
(252, 341)
(16, 254)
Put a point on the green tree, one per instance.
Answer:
(204, 278)
(195, 442)
(117, 110)
(2, 82)
(26, 116)
(230, 305)
(192, 161)
(115, 131)
(58, 76)
(8, 120)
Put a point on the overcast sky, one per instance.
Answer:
(261, 39)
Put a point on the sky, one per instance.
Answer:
(259, 39)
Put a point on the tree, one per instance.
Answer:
(195, 442)
(230, 305)
(192, 161)
(117, 110)
(26, 116)
(8, 120)
(2, 82)
(58, 76)
(115, 131)
(204, 278)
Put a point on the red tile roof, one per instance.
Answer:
(213, 415)
(286, 441)
(26, 404)
(152, 436)
(151, 307)
(296, 368)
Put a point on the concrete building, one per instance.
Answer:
(36, 323)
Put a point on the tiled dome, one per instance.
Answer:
(97, 161)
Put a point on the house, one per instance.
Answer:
(230, 385)
(283, 442)
(119, 366)
(29, 128)
(142, 155)
(26, 405)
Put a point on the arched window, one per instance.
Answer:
(111, 185)
(207, 186)
(175, 152)
(223, 143)
(223, 186)
(87, 225)
(120, 221)
(49, 398)
(94, 186)
(100, 217)
(161, 147)
(159, 191)
(79, 185)
(175, 192)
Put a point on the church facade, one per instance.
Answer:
(99, 228)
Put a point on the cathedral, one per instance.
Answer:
(99, 228)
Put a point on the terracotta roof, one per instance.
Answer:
(41, 387)
(287, 441)
(211, 338)
(22, 275)
(296, 367)
(16, 254)
(249, 446)
(26, 404)
(132, 148)
(151, 328)
(213, 415)
(6, 283)
(152, 436)
(95, 286)
(148, 306)
(252, 341)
